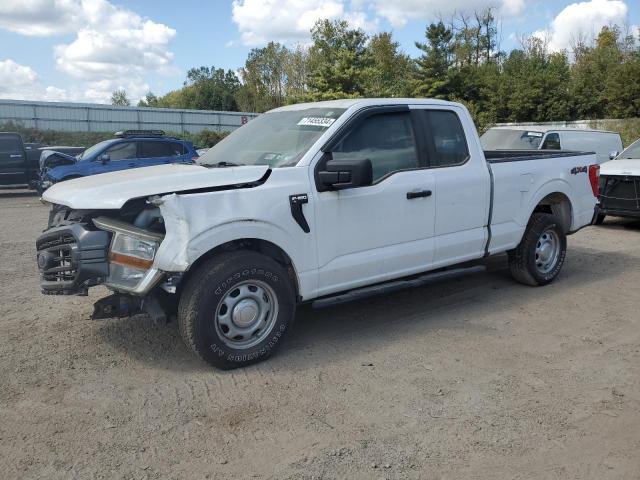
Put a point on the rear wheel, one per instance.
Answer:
(539, 257)
(236, 309)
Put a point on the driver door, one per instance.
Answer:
(381, 231)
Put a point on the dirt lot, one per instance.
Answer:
(473, 378)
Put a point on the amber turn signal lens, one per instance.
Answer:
(129, 261)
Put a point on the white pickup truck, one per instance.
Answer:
(322, 202)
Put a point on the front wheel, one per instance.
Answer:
(539, 257)
(236, 309)
(599, 219)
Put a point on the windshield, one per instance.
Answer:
(505, 139)
(632, 151)
(91, 150)
(277, 139)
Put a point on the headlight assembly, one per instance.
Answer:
(131, 255)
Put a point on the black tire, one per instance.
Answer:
(524, 261)
(217, 279)
(599, 218)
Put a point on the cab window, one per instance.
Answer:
(385, 139)
(448, 144)
(122, 151)
(552, 142)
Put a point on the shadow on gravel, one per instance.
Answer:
(619, 222)
(320, 335)
(17, 193)
(142, 340)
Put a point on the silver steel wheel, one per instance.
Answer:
(246, 314)
(547, 251)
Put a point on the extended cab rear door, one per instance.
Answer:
(384, 230)
(13, 160)
(462, 183)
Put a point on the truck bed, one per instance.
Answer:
(518, 177)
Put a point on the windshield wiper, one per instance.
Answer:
(225, 164)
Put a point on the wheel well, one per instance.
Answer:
(254, 244)
(559, 205)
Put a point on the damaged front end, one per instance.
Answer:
(82, 249)
(50, 159)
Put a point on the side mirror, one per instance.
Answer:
(613, 154)
(105, 158)
(342, 174)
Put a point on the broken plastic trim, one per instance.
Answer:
(117, 226)
(219, 188)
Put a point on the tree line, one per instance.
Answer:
(460, 59)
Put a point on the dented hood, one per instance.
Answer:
(113, 190)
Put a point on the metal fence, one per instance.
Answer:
(88, 117)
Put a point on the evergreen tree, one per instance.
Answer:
(337, 60)
(388, 71)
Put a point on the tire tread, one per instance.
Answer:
(195, 288)
(518, 257)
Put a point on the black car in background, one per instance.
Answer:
(20, 162)
(15, 168)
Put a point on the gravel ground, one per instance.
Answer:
(473, 378)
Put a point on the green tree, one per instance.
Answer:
(264, 78)
(210, 88)
(296, 69)
(432, 79)
(388, 71)
(534, 85)
(119, 98)
(336, 60)
(593, 65)
(149, 100)
(623, 89)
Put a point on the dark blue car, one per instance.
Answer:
(129, 149)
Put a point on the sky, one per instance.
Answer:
(83, 50)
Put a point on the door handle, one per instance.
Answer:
(418, 194)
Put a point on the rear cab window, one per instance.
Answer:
(446, 140)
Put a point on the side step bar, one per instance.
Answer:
(395, 285)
